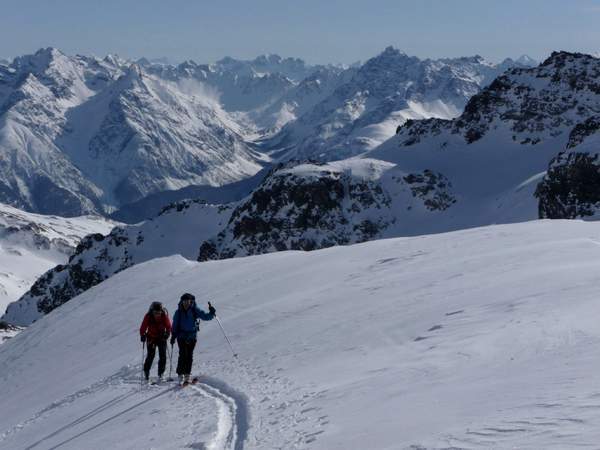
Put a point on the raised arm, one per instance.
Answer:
(200, 314)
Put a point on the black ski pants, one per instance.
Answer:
(162, 356)
(186, 356)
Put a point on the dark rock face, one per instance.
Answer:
(83, 271)
(296, 212)
(583, 130)
(571, 187)
(433, 188)
(77, 281)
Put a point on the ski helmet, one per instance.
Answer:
(188, 296)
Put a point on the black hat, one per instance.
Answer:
(188, 296)
(156, 306)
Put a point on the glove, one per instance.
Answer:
(143, 338)
(172, 340)
(211, 309)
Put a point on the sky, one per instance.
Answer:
(318, 31)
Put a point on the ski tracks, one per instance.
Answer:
(232, 425)
(231, 420)
(286, 415)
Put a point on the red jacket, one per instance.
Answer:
(156, 329)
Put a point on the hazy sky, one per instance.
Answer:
(316, 30)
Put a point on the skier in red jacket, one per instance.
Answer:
(155, 331)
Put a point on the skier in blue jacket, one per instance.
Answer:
(184, 330)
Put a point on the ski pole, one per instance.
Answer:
(171, 364)
(225, 334)
(142, 370)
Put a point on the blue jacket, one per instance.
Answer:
(184, 322)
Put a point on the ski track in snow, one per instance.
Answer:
(287, 416)
(232, 411)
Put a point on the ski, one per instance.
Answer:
(194, 380)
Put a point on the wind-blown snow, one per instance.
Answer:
(474, 339)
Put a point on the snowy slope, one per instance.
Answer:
(475, 339)
(30, 244)
(179, 229)
(381, 95)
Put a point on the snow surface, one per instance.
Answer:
(31, 244)
(481, 338)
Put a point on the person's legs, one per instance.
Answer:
(151, 346)
(162, 356)
(181, 357)
(190, 357)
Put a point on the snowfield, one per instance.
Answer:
(476, 339)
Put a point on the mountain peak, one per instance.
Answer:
(49, 52)
(115, 60)
(268, 59)
(133, 75)
(40, 60)
(391, 59)
(391, 51)
(559, 58)
(526, 60)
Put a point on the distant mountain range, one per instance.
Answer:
(379, 96)
(81, 135)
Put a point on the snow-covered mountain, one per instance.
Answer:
(310, 206)
(497, 152)
(296, 207)
(79, 134)
(480, 338)
(486, 166)
(299, 99)
(262, 94)
(380, 95)
(31, 244)
(179, 229)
